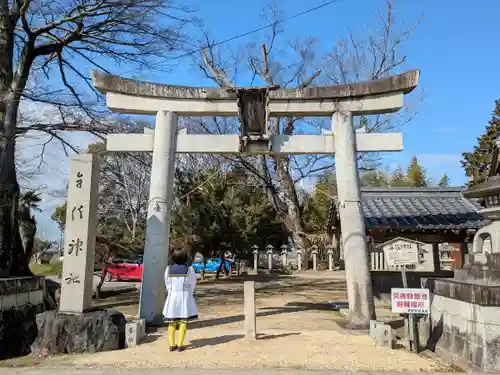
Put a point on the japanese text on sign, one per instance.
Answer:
(79, 180)
(72, 279)
(401, 253)
(75, 246)
(78, 210)
(410, 301)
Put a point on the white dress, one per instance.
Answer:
(180, 305)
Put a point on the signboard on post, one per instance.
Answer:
(401, 252)
(404, 252)
(410, 301)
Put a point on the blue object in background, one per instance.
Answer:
(212, 265)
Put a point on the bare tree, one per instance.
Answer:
(44, 45)
(124, 183)
(351, 60)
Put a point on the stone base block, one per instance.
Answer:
(384, 336)
(491, 260)
(373, 328)
(381, 333)
(478, 274)
(92, 331)
(135, 332)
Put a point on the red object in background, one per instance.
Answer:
(125, 271)
(457, 258)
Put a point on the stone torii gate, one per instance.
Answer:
(254, 107)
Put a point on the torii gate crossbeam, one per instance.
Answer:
(341, 102)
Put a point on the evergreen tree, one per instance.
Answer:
(399, 178)
(416, 174)
(228, 212)
(316, 205)
(476, 163)
(375, 179)
(445, 181)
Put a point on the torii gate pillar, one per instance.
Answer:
(359, 289)
(152, 295)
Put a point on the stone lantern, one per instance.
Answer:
(487, 194)
(470, 301)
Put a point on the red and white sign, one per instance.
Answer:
(410, 301)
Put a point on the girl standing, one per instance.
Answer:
(180, 306)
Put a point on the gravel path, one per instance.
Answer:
(212, 349)
(298, 330)
(188, 372)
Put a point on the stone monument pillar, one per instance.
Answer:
(80, 232)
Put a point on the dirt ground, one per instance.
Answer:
(297, 329)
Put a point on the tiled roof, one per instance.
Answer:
(418, 208)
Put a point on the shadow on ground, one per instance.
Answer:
(396, 323)
(289, 308)
(213, 341)
(209, 292)
(267, 290)
(260, 278)
(263, 336)
(152, 337)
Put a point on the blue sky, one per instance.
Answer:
(455, 46)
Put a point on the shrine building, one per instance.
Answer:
(440, 220)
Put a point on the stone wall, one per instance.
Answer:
(20, 300)
(464, 322)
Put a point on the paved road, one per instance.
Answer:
(143, 371)
(107, 286)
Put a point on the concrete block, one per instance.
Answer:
(383, 336)
(249, 306)
(373, 328)
(132, 334)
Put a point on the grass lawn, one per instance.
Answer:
(46, 269)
